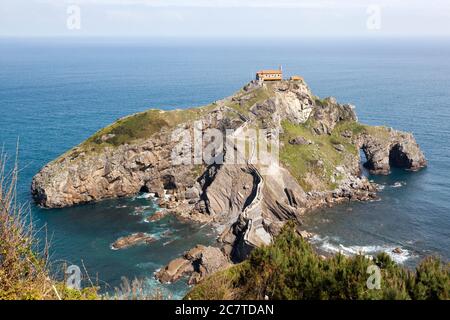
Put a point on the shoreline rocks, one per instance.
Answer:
(197, 263)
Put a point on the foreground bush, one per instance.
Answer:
(290, 269)
(24, 270)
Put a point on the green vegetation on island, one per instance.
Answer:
(315, 162)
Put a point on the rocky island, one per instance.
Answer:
(319, 165)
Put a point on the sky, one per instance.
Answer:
(224, 18)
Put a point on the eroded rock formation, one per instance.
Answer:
(195, 264)
(394, 148)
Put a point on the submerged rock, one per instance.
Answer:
(157, 216)
(397, 250)
(131, 240)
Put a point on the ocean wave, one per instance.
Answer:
(140, 210)
(168, 242)
(148, 265)
(398, 184)
(368, 250)
(145, 196)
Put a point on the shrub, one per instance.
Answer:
(290, 269)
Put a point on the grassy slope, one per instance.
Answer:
(140, 126)
(144, 124)
(319, 158)
(290, 269)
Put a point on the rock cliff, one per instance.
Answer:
(319, 164)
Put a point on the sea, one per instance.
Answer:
(56, 92)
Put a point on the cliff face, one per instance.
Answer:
(319, 162)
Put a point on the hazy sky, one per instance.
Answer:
(225, 18)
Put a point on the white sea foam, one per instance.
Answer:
(140, 210)
(147, 265)
(369, 250)
(398, 184)
(145, 196)
(168, 242)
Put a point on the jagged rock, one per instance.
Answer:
(175, 270)
(305, 234)
(131, 240)
(397, 251)
(106, 137)
(347, 134)
(192, 193)
(157, 216)
(339, 147)
(300, 141)
(388, 148)
(226, 194)
(327, 116)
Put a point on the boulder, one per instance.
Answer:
(175, 270)
(397, 250)
(197, 263)
(339, 147)
(347, 134)
(192, 193)
(299, 141)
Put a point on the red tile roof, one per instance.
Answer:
(269, 72)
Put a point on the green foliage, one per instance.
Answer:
(320, 102)
(354, 127)
(220, 286)
(135, 127)
(66, 293)
(290, 269)
(431, 280)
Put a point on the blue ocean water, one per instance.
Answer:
(54, 93)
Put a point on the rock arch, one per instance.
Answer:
(398, 150)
